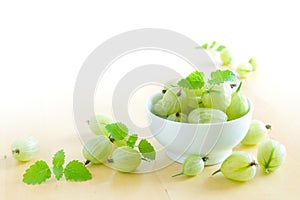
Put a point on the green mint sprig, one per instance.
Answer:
(39, 172)
(118, 131)
(76, 171)
(132, 140)
(221, 76)
(196, 80)
(146, 149)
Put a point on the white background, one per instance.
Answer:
(44, 43)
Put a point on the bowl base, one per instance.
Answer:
(213, 158)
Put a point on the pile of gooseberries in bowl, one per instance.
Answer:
(195, 116)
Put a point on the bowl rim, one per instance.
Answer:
(149, 106)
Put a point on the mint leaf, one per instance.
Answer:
(37, 173)
(132, 140)
(117, 131)
(213, 44)
(58, 171)
(220, 48)
(221, 76)
(76, 171)
(58, 161)
(59, 158)
(147, 149)
(195, 80)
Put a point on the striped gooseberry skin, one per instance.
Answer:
(192, 166)
(125, 159)
(25, 148)
(257, 132)
(239, 166)
(270, 155)
(97, 149)
(206, 116)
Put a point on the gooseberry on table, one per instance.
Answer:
(270, 155)
(97, 149)
(239, 166)
(192, 166)
(25, 148)
(257, 132)
(125, 159)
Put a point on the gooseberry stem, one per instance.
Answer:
(233, 85)
(181, 173)
(111, 139)
(219, 170)
(205, 158)
(253, 163)
(17, 151)
(238, 89)
(179, 93)
(268, 126)
(87, 162)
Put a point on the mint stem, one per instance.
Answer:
(219, 170)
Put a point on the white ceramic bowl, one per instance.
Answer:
(214, 141)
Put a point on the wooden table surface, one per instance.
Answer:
(276, 98)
